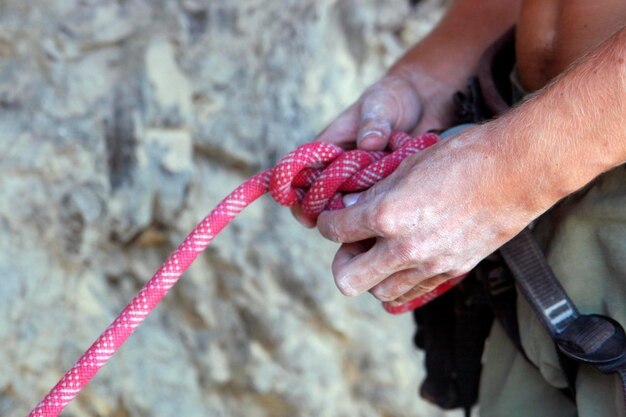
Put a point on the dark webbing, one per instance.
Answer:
(591, 339)
(538, 283)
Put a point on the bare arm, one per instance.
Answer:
(443, 211)
(571, 131)
(452, 50)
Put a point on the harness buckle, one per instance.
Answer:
(596, 340)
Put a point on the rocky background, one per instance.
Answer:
(121, 124)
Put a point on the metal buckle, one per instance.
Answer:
(596, 340)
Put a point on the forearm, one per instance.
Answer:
(568, 133)
(450, 53)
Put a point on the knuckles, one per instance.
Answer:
(410, 255)
(383, 220)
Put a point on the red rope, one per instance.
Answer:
(314, 175)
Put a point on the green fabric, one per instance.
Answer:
(512, 387)
(585, 242)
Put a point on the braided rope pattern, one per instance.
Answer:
(314, 175)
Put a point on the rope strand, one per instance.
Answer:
(314, 175)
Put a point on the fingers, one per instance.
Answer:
(406, 285)
(367, 124)
(365, 266)
(439, 116)
(378, 113)
(359, 266)
(343, 130)
(429, 122)
(347, 225)
(306, 221)
(390, 105)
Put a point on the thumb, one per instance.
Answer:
(377, 120)
(386, 109)
(343, 130)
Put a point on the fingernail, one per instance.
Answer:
(351, 199)
(371, 137)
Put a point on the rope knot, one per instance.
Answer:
(317, 174)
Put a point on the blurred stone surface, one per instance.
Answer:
(121, 124)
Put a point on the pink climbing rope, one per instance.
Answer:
(314, 175)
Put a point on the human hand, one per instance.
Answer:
(410, 101)
(439, 214)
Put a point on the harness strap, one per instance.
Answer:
(499, 286)
(591, 339)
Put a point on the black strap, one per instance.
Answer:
(591, 339)
(501, 294)
(538, 283)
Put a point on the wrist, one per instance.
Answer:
(509, 181)
(428, 77)
(432, 92)
(536, 160)
(571, 132)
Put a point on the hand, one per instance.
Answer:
(440, 213)
(404, 101)
(411, 101)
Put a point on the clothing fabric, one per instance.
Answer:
(584, 240)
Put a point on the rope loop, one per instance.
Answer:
(317, 174)
(309, 158)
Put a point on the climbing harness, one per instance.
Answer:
(314, 175)
(591, 339)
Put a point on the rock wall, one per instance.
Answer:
(121, 124)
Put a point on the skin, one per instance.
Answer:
(452, 205)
